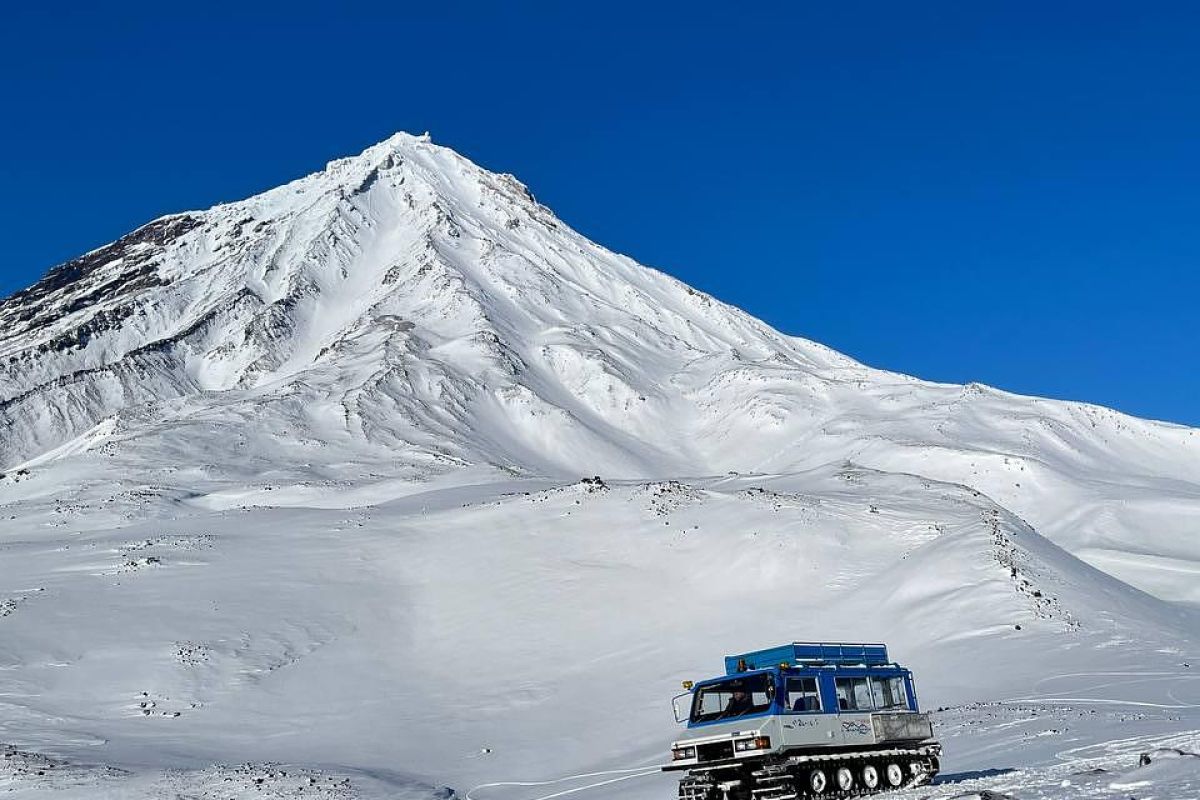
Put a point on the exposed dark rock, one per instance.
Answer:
(78, 285)
(156, 233)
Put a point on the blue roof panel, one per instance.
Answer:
(796, 653)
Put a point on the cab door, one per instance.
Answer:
(804, 717)
(855, 705)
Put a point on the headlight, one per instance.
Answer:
(680, 753)
(759, 743)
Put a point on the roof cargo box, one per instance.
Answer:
(797, 653)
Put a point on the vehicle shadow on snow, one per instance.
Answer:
(957, 777)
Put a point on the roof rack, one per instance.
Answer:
(809, 653)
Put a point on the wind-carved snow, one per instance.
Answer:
(300, 480)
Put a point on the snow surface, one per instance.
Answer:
(294, 504)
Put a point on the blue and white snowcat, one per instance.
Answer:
(803, 720)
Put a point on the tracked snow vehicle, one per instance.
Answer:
(803, 720)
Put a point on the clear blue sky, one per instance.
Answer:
(1000, 192)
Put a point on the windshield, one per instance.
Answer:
(733, 698)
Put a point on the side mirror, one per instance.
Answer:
(682, 710)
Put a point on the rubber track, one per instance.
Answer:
(787, 789)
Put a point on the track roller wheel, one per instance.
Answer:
(844, 778)
(893, 774)
(869, 776)
(818, 782)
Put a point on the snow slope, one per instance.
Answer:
(296, 481)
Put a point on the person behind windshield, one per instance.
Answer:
(739, 703)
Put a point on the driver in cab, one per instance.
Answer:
(739, 703)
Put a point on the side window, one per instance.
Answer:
(862, 694)
(854, 694)
(889, 692)
(845, 691)
(802, 695)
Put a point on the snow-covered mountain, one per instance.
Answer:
(297, 478)
(408, 306)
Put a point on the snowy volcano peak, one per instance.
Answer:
(405, 255)
(316, 233)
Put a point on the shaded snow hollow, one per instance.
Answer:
(292, 487)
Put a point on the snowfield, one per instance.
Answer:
(386, 483)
